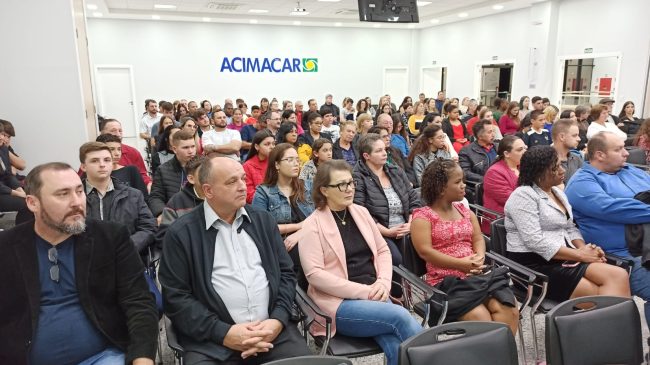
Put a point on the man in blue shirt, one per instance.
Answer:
(73, 291)
(602, 196)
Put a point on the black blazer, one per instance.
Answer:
(449, 130)
(112, 291)
(200, 317)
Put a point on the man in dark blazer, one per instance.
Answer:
(227, 279)
(72, 290)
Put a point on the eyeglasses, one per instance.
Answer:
(291, 160)
(344, 186)
(53, 256)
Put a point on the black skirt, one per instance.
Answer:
(563, 277)
(463, 295)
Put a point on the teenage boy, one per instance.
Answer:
(537, 135)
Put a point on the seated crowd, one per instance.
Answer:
(245, 207)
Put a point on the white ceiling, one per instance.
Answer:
(340, 13)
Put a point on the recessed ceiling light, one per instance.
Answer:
(297, 22)
(91, 7)
(338, 24)
(376, 25)
(435, 21)
(423, 3)
(206, 19)
(164, 6)
(258, 11)
(497, 7)
(299, 13)
(155, 17)
(98, 14)
(253, 21)
(462, 15)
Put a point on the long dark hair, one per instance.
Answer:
(165, 143)
(286, 128)
(272, 175)
(622, 113)
(506, 146)
(422, 144)
(534, 164)
(258, 138)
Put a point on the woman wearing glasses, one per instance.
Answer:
(350, 278)
(542, 236)
(285, 196)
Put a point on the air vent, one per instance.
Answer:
(347, 12)
(223, 6)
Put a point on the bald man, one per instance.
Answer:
(243, 312)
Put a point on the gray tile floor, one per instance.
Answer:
(168, 357)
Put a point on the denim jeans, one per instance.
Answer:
(640, 285)
(387, 323)
(110, 356)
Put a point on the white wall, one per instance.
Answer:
(40, 88)
(610, 27)
(174, 60)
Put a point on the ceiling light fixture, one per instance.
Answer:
(253, 21)
(91, 7)
(206, 19)
(164, 6)
(155, 17)
(338, 24)
(411, 26)
(258, 11)
(297, 22)
(98, 14)
(298, 11)
(423, 3)
(462, 15)
(497, 7)
(435, 21)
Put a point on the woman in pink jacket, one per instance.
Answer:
(350, 280)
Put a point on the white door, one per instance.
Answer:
(396, 82)
(431, 81)
(115, 99)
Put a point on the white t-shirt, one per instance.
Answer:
(212, 137)
(147, 122)
(333, 130)
(609, 127)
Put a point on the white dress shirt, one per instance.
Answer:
(237, 273)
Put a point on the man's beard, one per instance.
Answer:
(77, 227)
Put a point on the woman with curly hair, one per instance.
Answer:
(642, 138)
(447, 235)
(542, 236)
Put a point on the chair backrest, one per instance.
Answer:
(467, 343)
(410, 258)
(172, 341)
(609, 332)
(312, 360)
(498, 242)
(478, 200)
(637, 157)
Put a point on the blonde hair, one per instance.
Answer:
(550, 112)
(361, 119)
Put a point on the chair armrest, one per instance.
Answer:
(482, 209)
(433, 296)
(530, 276)
(304, 302)
(619, 261)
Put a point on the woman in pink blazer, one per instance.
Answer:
(500, 180)
(350, 280)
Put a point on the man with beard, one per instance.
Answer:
(221, 141)
(73, 289)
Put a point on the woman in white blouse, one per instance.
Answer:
(599, 115)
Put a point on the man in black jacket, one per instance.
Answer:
(227, 279)
(109, 199)
(476, 157)
(170, 177)
(72, 289)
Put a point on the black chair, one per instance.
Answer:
(608, 332)
(471, 191)
(419, 295)
(637, 157)
(484, 215)
(467, 343)
(172, 341)
(312, 360)
(478, 200)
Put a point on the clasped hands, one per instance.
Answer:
(473, 265)
(592, 253)
(253, 337)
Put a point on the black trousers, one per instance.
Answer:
(289, 343)
(10, 203)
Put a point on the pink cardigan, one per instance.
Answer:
(322, 256)
(498, 183)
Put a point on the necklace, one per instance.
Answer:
(345, 213)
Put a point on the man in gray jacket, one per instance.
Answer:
(111, 200)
